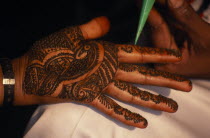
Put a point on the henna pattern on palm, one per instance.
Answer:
(82, 69)
(56, 59)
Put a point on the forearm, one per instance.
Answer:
(18, 67)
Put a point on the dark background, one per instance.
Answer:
(25, 21)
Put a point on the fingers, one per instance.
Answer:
(95, 28)
(110, 107)
(136, 54)
(147, 76)
(161, 35)
(185, 14)
(128, 93)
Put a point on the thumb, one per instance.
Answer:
(95, 28)
(186, 15)
(161, 34)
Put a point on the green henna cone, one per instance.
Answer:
(146, 8)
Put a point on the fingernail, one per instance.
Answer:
(176, 3)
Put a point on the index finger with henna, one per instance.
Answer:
(137, 54)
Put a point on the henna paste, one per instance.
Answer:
(128, 115)
(145, 96)
(152, 72)
(147, 50)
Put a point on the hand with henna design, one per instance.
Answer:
(182, 28)
(68, 66)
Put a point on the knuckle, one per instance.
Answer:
(185, 12)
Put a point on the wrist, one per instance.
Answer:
(18, 71)
(20, 97)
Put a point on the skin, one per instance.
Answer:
(68, 66)
(180, 27)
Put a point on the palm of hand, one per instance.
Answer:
(57, 58)
(66, 66)
(78, 63)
